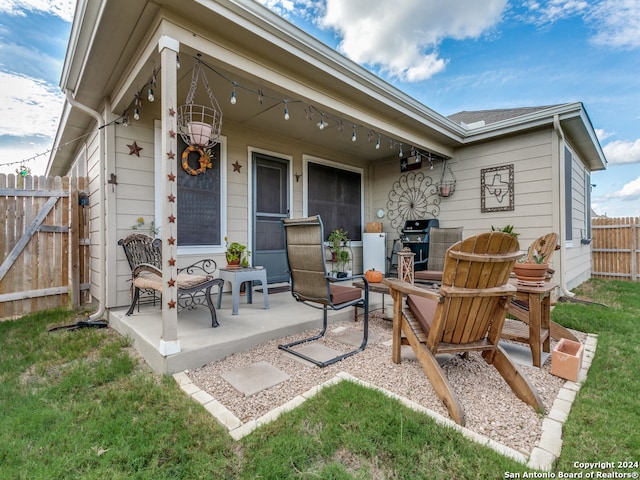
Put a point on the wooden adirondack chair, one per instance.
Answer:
(544, 245)
(465, 316)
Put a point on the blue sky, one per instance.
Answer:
(451, 55)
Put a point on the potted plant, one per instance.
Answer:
(532, 272)
(509, 229)
(339, 239)
(342, 264)
(237, 254)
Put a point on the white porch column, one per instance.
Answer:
(169, 342)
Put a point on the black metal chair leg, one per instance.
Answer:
(136, 295)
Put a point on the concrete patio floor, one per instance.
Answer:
(200, 344)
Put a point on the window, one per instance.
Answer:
(336, 195)
(568, 194)
(587, 212)
(198, 200)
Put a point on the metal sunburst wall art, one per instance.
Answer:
(413, 196)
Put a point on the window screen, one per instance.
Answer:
(198, 201)
(568, 193)
(336, 195)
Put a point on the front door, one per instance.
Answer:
(270, 206)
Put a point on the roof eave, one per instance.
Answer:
(572, 117)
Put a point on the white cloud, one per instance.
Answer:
(617, 23)
(60, 8)
(550, 11)
(620, 152)
(29, 106)
(630, 190)
(403, 41)
(602, 134)
(33, 153)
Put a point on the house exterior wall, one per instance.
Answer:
(86, 161)
(537, 189)
(134, 195)
(133, 198)
(578, 256)
(533, 213)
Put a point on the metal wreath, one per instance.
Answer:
(413, 196)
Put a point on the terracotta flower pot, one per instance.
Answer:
(233, 263)
(531, 272)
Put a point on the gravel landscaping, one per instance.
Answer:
(491, 407)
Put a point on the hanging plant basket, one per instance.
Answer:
(200, 125)
(446, 189)
(447, 184)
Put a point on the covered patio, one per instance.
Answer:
(202, 344)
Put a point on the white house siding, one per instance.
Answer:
(87, 161)
(132, 198)
(135, 190)
(531, 156)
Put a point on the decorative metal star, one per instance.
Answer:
(172, 134)
(172, 304)
(171, 282)
(134, 149)
(172, 219)
(171, 240)
(172, 177)
(171, 155)
(172, 262)
(237, 167)
(172, 198)
(172, 112)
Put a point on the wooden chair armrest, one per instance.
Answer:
(397, 285)
(451, 291)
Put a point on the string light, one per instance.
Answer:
(152, 84)
(308, 109)
(322, 123)
(233, 94)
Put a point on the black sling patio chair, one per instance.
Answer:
(311, 285)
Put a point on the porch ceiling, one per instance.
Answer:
(115, 56)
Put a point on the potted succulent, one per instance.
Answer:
(237, 254)
(533, 271)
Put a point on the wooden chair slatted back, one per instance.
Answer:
(544, 245)
(474, 270)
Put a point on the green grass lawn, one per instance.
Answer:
(79, 404)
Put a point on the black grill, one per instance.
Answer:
(415, 235)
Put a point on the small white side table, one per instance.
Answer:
(237, 276)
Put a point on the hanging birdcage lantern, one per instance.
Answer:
(200, 125)
(447, 184)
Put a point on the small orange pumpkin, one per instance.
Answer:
(373, 276)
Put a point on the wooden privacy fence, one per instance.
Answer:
(615, 248)
(44, 247)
